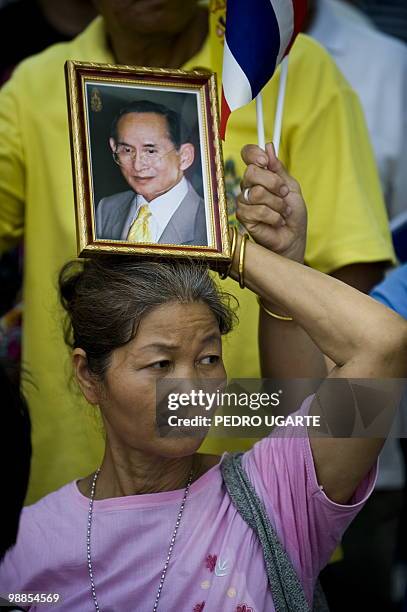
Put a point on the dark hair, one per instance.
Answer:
(106, 298)
(15, 453)
(177, 131)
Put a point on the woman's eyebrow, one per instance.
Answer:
(212, 337)
(159, 345)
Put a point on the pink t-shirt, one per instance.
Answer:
(217, 562)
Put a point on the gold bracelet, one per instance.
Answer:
(226, 273)
(241, 260)
(273, 314)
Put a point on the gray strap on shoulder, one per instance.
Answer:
(286, 588)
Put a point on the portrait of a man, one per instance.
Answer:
(150, 145)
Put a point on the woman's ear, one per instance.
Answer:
(85, 378)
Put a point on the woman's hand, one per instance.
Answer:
(271, 206)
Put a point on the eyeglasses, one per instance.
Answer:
(126, 154)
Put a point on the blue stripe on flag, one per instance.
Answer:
(253, 37)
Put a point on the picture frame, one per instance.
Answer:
(147, 162)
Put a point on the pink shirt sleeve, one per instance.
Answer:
(307, 522)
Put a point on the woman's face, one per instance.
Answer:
(174, 341)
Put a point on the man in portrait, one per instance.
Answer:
(148, 143)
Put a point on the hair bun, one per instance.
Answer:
(68, 281)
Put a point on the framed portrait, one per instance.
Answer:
(147, 161)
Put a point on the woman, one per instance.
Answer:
(153, 527)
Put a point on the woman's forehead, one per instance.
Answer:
(176, 323)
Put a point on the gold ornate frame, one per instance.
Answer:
(78, 75)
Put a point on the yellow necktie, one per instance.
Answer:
(140, 228)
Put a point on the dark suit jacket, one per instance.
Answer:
(115, 214)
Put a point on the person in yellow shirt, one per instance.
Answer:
(324, 145)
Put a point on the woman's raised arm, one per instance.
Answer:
(363, 338)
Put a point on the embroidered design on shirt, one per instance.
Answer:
(244, 608)
(199, 607)
(210, 562)
(221, 568)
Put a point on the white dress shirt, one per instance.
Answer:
(343, 8)
(376, 67)
(162, 208)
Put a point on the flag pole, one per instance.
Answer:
(261, 139)
(280, 104)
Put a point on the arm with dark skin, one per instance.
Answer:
(361, 337)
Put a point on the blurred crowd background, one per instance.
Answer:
(367, 39)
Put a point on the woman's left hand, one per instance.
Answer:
(271, 206)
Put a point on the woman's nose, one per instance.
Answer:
(185, 373)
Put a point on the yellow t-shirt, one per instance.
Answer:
(324, 144)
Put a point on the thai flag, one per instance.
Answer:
(259, 33)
